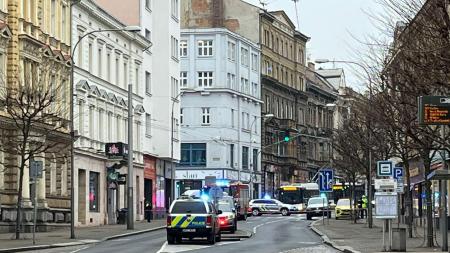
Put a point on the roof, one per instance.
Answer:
(333, 76)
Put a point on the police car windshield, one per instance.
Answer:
(189, 207)
(225, 207)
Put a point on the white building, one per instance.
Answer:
(159, 21)
(221, 109)
(106, 62)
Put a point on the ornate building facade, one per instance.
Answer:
(35, 35)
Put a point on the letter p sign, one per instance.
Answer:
(398, 172)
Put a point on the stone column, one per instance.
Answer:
(40, 187)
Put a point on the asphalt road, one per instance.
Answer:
(272, 234)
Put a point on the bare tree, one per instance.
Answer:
(36, 107)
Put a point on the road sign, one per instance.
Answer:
(398, 172)
(385, 169)
(385, 184)
(36, 169)
(434, 110)
(216, 192)
(326, 178)
(386, 205)
(400, 185)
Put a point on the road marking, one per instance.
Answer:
(120, 239)
(270, 222)
(78, 250)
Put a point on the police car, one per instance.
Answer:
(271, 206)
(190, 218)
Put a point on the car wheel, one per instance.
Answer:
(170, 239)
(219, 237)
(212, 238)
(255, 212)
(284, 212)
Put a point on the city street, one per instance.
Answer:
(272, 234)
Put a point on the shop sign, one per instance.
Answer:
(116, 150)
(198, 174)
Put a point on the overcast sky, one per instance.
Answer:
(333, 26)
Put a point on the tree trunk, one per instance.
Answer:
(408, 200)
(19, 199)
(429, 203)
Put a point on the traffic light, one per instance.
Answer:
(287, 136)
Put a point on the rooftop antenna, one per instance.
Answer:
(296, 13)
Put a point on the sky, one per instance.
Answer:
(335, 27)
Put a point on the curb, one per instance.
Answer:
(79, 243)
(327, 241)
(235, 236)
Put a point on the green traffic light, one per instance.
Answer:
(286, 138)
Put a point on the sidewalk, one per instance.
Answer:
(85, 235)
(349, 237)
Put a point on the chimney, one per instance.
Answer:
(312, 66)
(217, 13)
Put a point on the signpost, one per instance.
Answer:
(326, 178)
(434, 110)
(384, 169)
(398, 175)
(36, 168)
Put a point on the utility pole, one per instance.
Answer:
(130, 218)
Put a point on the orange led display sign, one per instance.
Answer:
(434, 110)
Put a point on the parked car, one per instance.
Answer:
(317, 206)
(343, 209)
(271, 206)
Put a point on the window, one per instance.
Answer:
(148, 124)
(174, 8)
(90, 58)
(189, 207)
(148, 34)
(183, 79)
(206, 117)
(148, 4)
(193, 154)
(183, 48)
(244, 56)
(244, 85)
(100, 62)
(205, 79)
(174, 46)
(136, 81)
(255, 159)
(232, 118)
(245, 158)
(53, 18)
(117, 71)
(63, 23)
(94, 195)
(231, 81)
(181, 116)
(231, 51)
(125, 74)
(232, 155)
(254, 62)
(205, 47)
(108, 67)
(255, 89)
(148, 83)
(255, 124)
(175, 88)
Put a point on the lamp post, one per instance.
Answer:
(72, 128)
(369, 172)
(252, 167)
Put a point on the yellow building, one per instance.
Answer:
(35, 36)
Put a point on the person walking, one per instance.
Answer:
(148, 211)
(364, 207)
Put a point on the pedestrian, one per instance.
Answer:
(360, 214)
(364, 206)
(148, 211)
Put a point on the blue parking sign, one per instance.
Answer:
(398, 172)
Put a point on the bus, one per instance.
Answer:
(297, 194)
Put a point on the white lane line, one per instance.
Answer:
(269, 222)
(162, 247)
(78, 250)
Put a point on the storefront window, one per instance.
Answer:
(193, 154)
(94, 194)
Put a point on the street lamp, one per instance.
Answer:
(369, 172)
(72, 128)
(266, 116)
